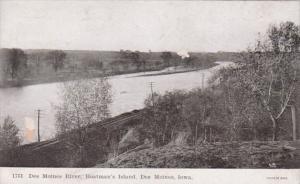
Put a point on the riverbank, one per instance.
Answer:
(69, 76)
(65, 76)
(175, 70)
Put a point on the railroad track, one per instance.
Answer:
(119, 121)
(114, 121)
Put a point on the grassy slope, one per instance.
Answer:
(222, 155)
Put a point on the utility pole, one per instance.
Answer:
(153, 108)
(293, 110)
(38, 130)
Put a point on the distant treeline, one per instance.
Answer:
(23, 67)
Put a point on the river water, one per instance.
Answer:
(129, 93)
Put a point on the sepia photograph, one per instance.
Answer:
(149, 84)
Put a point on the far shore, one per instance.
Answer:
(78, 76)
(70, 77)
(175, 71)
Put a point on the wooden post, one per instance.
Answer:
(293, 109)
(39, 137)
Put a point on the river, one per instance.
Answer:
(129, 92)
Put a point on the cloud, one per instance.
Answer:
(139, 25)
(183, 54)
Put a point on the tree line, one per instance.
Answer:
(21, 66)
(15, 66)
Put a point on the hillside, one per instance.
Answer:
(213, 155)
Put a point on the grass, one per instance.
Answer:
(217, 155)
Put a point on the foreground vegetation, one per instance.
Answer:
(247, 101)
(213, 155)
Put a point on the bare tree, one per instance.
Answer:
(57, 59)
(15, 62)
(240, 109)
(163, 116)
(197, 111)
(144, 59)
(83, 102)
(166, 56)
(285, 37)
(268, 71)
(136, 59)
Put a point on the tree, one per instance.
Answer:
(15, 62)
(164, 117)
(83, 102)
(57, 59)
(197, 110)
(9, 134)
(196, 114)
(96, 63)
(285, 37)
(268, 73)
(144, 59)
(272, 83)
(115, 66)
(136, 59)
(190, 61)
(239, 109)
(166, 56)
(157, 64)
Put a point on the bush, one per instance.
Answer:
(9, 134)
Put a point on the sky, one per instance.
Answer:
(139, 25)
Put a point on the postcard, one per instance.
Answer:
(149, 91)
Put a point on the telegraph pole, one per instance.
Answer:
(38, 130)
(153, 108)
(293, 110)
